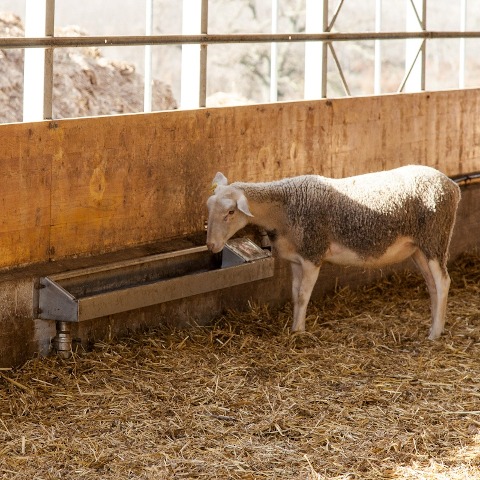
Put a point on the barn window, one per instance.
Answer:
(282, 50)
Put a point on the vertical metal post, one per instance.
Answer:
(316, 21)
(273, 55)
(424, 45)
(377, 80)
(38, 62)
(324, 49)
(48, 76)
(202, 97)
(147, 90)
(463, 27)
(415, 48)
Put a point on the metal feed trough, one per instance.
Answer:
(95, 292)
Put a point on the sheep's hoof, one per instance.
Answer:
(297, 327)
(434, 335)
(302, 339)
(297, 333)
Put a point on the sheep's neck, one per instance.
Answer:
(267, 215)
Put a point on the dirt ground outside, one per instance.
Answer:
(362, 395)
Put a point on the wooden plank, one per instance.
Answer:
(453, 131)
(377, 133)
(102, 184)
(25, 193)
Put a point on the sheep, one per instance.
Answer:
(369, 221)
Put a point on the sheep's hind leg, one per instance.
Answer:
(442, 284)
(304, 277)
(438, 284)
(422, 263)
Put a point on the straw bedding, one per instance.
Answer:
(362, 395)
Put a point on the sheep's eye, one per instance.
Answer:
(231, 212)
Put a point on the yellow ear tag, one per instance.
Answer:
(213, 187)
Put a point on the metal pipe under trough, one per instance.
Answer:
(96, 292)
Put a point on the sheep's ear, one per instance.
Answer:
(220, 179)
(242, 205)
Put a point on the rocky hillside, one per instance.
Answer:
(85, 83)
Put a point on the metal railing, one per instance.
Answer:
(211, 39)
(318, 38)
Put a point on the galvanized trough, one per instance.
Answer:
(88, 293)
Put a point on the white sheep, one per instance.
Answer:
(368, 220)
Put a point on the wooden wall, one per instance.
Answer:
(87, 186)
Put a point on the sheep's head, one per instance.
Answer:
(228, 212)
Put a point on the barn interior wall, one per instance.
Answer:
(79, 188)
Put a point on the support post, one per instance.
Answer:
(147, 91)
(315, 86)
(38, 62)
(273, 55)
(463, 27)
(377, 81)
(194, 57)
(202, 95)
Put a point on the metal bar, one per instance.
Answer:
(424, 15)
(463, 26)
(423, 61)
(424, 45)
(147, 89)
(48, 68)
(191, 52)
(33, 64)
(325, 51)
(466, 178)
(407, 74)
(273, 55)
(127, 40)
(38, 65)
(202, 101)
(414, 9)
(335, 15)
(377, 74)
(415, 48)
(315, 52)
(339, 68)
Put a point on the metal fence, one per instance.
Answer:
(320, 39)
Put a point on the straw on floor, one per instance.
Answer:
(362, 395)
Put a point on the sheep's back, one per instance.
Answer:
(366, 213)
(369, 212)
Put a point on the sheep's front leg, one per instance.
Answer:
(304, 277)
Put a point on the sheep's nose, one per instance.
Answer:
(214, 248)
